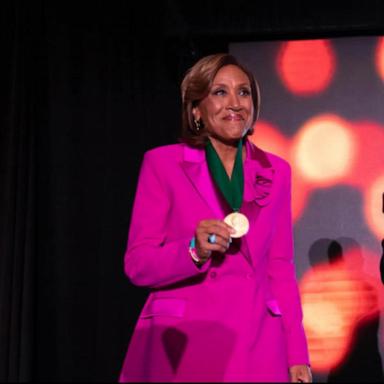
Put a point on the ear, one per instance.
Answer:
(196, 113)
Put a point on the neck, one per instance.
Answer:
(227, 153)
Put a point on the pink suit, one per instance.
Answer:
(239, 317)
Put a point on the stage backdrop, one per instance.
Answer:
(322, 109)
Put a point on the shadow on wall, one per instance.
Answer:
(341, 313)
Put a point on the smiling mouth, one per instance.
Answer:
(234, 118)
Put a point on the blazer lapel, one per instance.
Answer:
(196, 169)
(258, 182)
(258, 176)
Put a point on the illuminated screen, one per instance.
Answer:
(322, 109)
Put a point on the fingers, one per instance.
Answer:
(300, 374)
(213, 236)
(221, 235)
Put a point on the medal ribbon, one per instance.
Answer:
(231, 188)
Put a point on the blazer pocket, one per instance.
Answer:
(164, 307)
(273, 308)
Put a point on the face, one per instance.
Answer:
(227, 110)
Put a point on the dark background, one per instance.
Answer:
(86, 87)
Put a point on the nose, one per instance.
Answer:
(234, 102)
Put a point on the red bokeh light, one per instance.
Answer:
(370, 138)
(306, 67)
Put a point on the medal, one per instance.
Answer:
(231, 188)
(238, 222)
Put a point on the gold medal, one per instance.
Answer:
(239, 222)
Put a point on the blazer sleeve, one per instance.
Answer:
(150, 260)
(282, 276)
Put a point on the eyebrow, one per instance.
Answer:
(225, 85)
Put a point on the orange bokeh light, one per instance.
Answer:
(373, 206)
(269, 138)
(336, 298)
(306, 67)
(380, 57)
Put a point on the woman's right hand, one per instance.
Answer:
(222, 232)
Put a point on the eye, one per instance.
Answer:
(245, 92)
(219, 92)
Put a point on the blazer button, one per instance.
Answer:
(249, 275)
(213, 275)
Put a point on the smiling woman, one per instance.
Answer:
(211, 237)
(199, 85)
(227, 111)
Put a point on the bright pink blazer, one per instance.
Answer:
(239, 317)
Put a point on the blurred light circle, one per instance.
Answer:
(335, 299)
(269, 138)
(380, 57)
(306, 67)
(374, 206)
(324, 149)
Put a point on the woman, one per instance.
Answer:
(211, 236)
